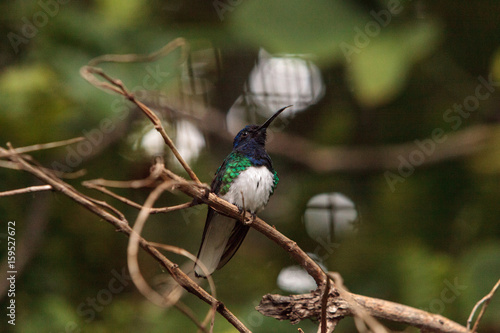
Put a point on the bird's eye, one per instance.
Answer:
(244, 134)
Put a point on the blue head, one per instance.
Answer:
(253, 137)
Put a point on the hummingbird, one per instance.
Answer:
(246, 179)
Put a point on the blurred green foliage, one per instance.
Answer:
(392, 84)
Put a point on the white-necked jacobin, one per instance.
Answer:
(246, 179)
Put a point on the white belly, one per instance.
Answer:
(254, 185)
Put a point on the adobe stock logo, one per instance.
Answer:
(372, 29)
(221, 7)
(454, 118)
(447, 296)
(121, 109)
(31, 27)
(85, 148)
(88, 310)
(104, 297)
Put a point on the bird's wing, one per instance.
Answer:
(217, 182)
(216, 233)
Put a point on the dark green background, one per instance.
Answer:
(440, 226)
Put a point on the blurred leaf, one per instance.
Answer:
(32, 101)
(122, 14)
(294, 26)
(55, 313)
(19, 84)
(422, 274)
(380, 70)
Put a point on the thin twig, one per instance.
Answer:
(41, 146)
(164, 51)
(211, 313)
(183, 308)
(88, 73)
(154, 173)
(118, 87)
(357, 310)
(133, 248)
(107, 206)
(136, 183)
(324, 304)
(26, 190)
(485, 301)
(15, 166)
(135, 204)
(58, 184)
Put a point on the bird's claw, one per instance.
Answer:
(250, 221)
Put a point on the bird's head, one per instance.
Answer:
(254, 136)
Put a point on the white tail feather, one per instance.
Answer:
(214, 243)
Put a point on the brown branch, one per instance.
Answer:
(363, 320)
(296, 308)
(199, 192)
(299, 307)
(408, 315)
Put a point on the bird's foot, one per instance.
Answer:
(245, 220)
(241, 211)
(250, 221)
(206, 194)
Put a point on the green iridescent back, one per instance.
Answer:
(275, 181)
(235, 165)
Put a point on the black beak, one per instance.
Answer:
(270, 120)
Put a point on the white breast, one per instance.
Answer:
(254, 185)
